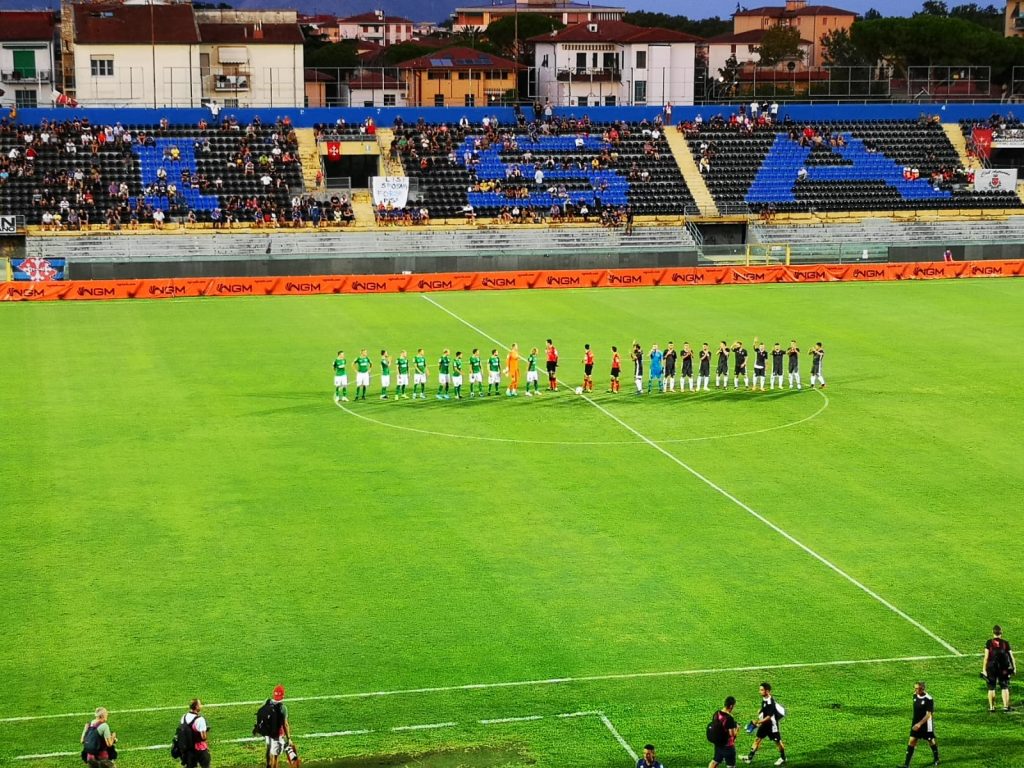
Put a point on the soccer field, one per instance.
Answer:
(441, 583)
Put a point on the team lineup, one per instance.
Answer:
(661, 377)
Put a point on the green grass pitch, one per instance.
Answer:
(188, 513)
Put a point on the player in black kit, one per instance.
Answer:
(687, 377)
(794, 365)
(637, 356)
(767, 725)
(778, 355)
(817, 356)
(704, 374)
(669, 359)
(739, 366)
(922, 726)
(722, 371)
(760, 366)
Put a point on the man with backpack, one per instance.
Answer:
(194, 752)
(997, 666)
(722, 732)
(766, 724)
(98, 742)
(272, 725)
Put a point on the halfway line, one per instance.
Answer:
(789, 537)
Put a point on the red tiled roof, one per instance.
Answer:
(372, 18)
(615, 32)
(750, 37)
(458, 58)
(142, 24)
(249, 34)
(26, 25)
(775, 11)
(316, 76)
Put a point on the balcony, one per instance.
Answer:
(25, 77)
(590, 74)
(231, 83)
(1018, 23)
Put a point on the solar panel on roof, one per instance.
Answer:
(440, 62)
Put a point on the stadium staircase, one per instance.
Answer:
(702, 197)
(391, 167)
(464, 241)
(954, 132)
(309, 154)
(362, 207)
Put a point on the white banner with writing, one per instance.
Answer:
(995, 180)
(391, 189)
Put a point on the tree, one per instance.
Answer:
(839, 50)
(710, 27)
(730, 72)
(933, 8)
(871, 13)
(989, 17)
(341, 54)
(399, 52)
(501, 33)
(779, 44)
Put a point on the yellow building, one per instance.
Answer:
(457, 77)
(569, 12)
(1014, 18)
(812, 21)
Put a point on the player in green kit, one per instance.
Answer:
(494, 373)
(443, 365)
(457, 374)
(363, 366)
(531, 373)
(476, 375)
(340, 378)
(385, 374)
(403, 375)
(419, 374)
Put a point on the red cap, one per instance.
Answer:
(279, 693)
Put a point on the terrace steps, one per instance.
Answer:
(691, 174)
(309, 154)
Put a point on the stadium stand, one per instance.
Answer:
(856, 165)
(559, 170)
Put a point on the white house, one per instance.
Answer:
(27, 71)
(171, 55)
(744, 47)
(606, 63)
(372, 89)
(376, 26)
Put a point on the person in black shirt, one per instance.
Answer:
(687, 375)
(725, 753)
(997, 666)
(817, 355)
(760, 366)
(637, 356)
(778, 355)
(704, 374)
(922, 726)
(767, 724)
(648, 760)
(794, 365)
(722, 371)
(670, 368)
(739, 366)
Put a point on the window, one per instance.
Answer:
(231, 103)
(581, 101)
(609, 101)
(639, 91)
(389, 100)
(438, 99)
(470, 100)
(471, 75)
(593, 59)
(544, 61)
(641, 59)
(25, 99)
(24, 63)
(581, 61)
(610, 61)
(439, 74)
(368, 103)
(101, 67)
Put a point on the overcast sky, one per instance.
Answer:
(702, 9)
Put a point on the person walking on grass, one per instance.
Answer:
(922, 726)
(997, 667)
(723, 734)
(199, 755)
(766, 724)
(277, 741)
(98, 741)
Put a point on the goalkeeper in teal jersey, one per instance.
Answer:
(363, 366)
(443, 366)
(494, 373)
(531, 373)
(419, 375)
(340, 378)
(476, 374)
(385, 374)
(457, 375)
(403, 375)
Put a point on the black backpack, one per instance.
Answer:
(92, 742)
(268, 720)
(1000, 656)
(184, 740)
(716, 732)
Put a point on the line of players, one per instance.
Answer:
(662, 371)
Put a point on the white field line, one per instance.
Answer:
(424, 727)
(509, 684)
(618, 737)
(499, 720)
(714, 486)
